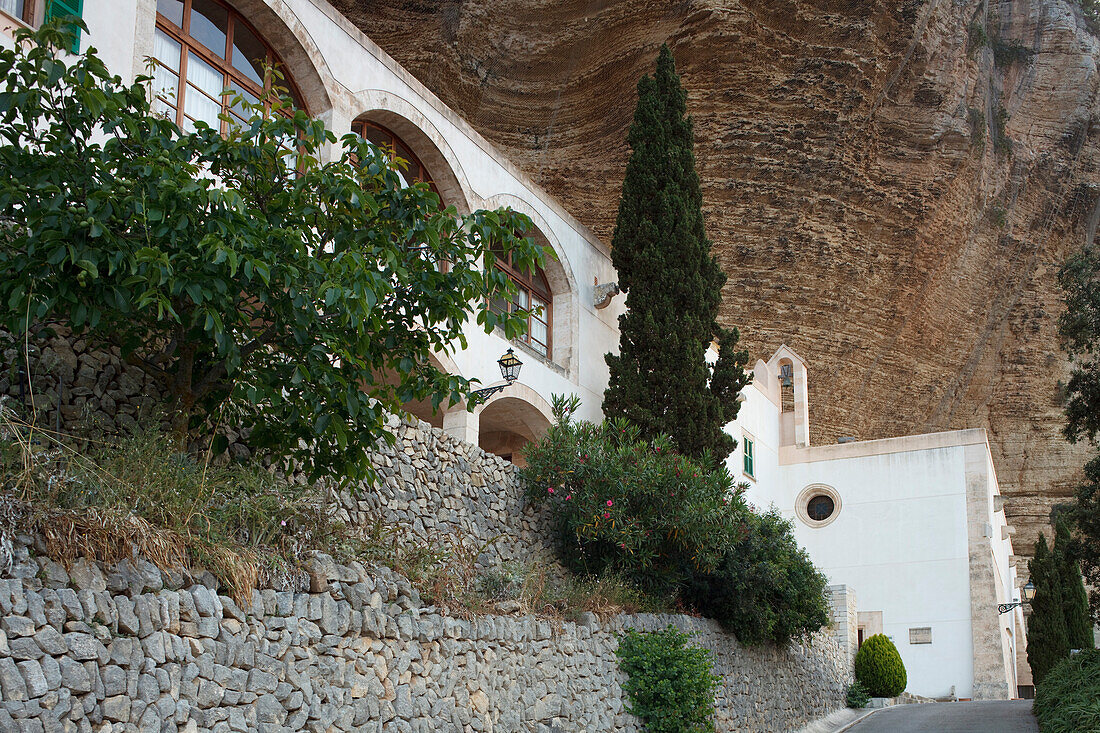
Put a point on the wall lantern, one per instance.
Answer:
(1028, 594)
(509, 369)
(786, 375)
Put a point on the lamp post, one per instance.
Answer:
(509, 369)
(1028, 592)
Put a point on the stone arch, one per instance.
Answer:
(512, 419)
(563, 284)
(286, 35)
(408, 123)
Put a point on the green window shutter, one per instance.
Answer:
(748, 457)
(61, 8)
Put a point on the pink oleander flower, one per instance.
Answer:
(551, 489)
(568, 497)
(609, 502)
(607, 515)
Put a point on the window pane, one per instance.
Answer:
(204, 76)
(249, 54)
(172, 10)
(521, 299)
(538, 306)
(209, 25)
(498, 305)
(165, 86)
(200, 107)
(166, 50)
(539, 332)
(12, 7)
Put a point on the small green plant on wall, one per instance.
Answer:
(670, 683)
(879, 667)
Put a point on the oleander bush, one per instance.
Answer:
(879, 667)
(674, 526)
(632, 507)
(670, 683)
(1068, 698)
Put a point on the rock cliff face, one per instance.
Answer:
(890, 186)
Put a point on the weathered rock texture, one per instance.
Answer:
(859, 186)
(128, 649)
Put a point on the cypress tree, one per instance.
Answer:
(1074, 598)
(1047, 642)
(660, 380)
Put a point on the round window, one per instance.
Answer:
(820, 508)
(817, 505)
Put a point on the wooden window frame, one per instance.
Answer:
(222, 63)
(530, 283)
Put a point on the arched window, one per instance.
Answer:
(202, 49)
(386, 139)
(533, 298)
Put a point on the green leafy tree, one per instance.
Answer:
(670, 682)
(1075, 602)
(660, 380)
(879, 667)
(262, 287)
(1079, 329)
(1047, 640)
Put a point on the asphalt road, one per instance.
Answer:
(1009, 716)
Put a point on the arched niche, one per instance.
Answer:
(563, 284)
(511, 420)
(426, 144)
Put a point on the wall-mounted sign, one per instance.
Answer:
(920, 635)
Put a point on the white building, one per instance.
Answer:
(339, 75)
(913, 526)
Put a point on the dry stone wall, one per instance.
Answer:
(130, 648)
(435, 486)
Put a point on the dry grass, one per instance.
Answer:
(144, 497)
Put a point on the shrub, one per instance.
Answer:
(672, 526)
(1068, 698)
(765, 588)
(670, 684)
(632, 507)
(857, 696)
(879, 667)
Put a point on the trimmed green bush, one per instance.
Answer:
(879, 667)
(670, 683)
(1068, 698)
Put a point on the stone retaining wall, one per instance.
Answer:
(128, 650)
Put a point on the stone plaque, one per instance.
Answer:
(921, 635)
